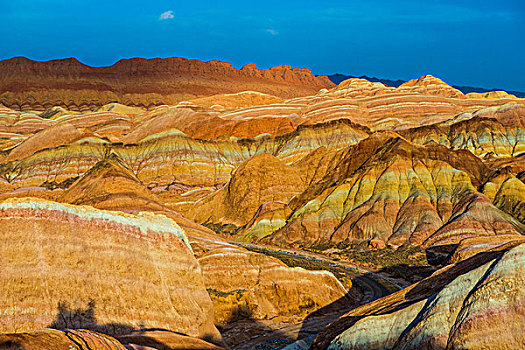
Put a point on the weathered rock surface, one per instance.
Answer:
(490, 95)
(52, 339)
(358, 166)
(110, 185)
(242, 284)
(480, 307)
(73, 266)
(384, 190)
(249, 285)
(430, 85)
(81, 339)
(164, 340)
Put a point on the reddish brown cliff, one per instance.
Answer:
(27, 84)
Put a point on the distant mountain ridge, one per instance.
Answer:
(32, 85)
(338, 78)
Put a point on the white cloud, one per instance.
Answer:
(166, 15)
(272, 31)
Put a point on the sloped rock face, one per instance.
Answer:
(245, 284)
(52, 339)
(31, 85)
(110, 185)
(195, 146)
(81, 339)
(385, 190)
(480, 309)
(164, 340)
(430, 85)
(490, 95)
(299, 171)
(74, 266)
(261, 179)
(242, 284)
(354, 167)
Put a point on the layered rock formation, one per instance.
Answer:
(72, 266)
(477, 303)
(164, 340)
(71, 339)
(429, 85)
(245, 284)
(347, 169)
(286, 162)
(31, 85)
(52, 339)
(242, 284)
(490, 95)
(384, 190)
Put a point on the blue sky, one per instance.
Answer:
(478, 43)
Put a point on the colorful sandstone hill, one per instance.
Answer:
(127, 211)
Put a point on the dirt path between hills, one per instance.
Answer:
(269, 334)
(373, 285)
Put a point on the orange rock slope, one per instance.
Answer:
(241, 283)
(300, 171)
(155, 194)
(71, 266)
(70, 339)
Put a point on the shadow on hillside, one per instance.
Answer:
(439, 255)
(409, 273)
(319, 319)
(69, 318)
(242, 331)
(249, 334)
(423, 290)
(85, 318)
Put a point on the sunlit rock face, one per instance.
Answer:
(493, 95)
(165, 339)
(110, 185)
(289, 172)
(479, 309)
(412, 165)
(75, 339)
(384, 190)
(293, 162)
(128, 175)
(245, 284)
(197, 145)
(430, 85)
(242, 284)
(51, 339)
(76, 266)
(31, 85)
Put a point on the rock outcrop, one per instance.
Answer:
(249, 285)
(75, 266)
(81, 339)
(165, 340)
(297, 163)
(52, 339)
(475, 304)
(368, 192)
(490, 95)
(242, 284)
(268, 172)
(429, 85)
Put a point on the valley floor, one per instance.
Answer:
(365, 285)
